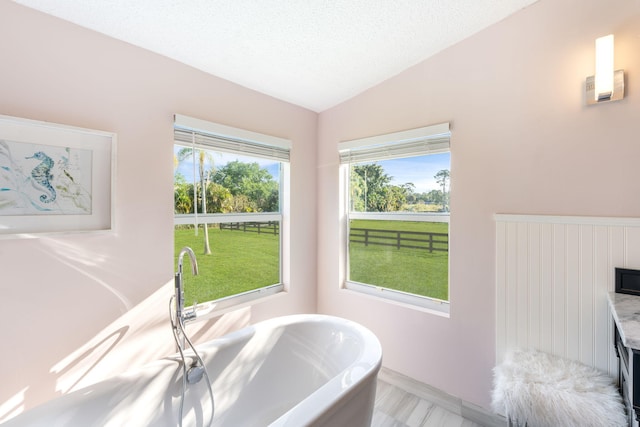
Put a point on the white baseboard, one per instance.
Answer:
(449, 402)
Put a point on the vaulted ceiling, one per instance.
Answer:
(312, 53)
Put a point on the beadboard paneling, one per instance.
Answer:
(552, 278)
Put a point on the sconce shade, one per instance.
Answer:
(606, 84)
(604, 68)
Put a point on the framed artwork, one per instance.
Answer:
(54, 178)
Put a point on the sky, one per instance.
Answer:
(418, 170)
(185, 167)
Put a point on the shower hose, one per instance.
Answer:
(178, 330)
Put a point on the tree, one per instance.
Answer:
(409, 189)
(252, 187)
(374, 181)
(357, 193)
(394, 198)
(182, 195)
(442, 178)
(433, 196)
(219, 199)
(203, 156)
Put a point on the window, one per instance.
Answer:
(230, 207)
(398, 192)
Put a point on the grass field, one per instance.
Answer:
(409, 270)
(239, 262)
(243, 261)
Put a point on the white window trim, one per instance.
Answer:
(213, 308)
(431, 305)
(425, 140)
(402, 216)
(414, 142)
(188, 219)
(228, 132)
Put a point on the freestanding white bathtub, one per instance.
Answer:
(302, 370)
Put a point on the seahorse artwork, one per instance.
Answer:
(38, 179)
(6, 171)
(42, 177)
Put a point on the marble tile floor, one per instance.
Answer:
(396, 407)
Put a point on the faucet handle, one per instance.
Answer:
(192, 314)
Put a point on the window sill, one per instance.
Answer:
(215, 308)
(411, 301)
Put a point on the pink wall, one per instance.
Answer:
(78, 308)
(82, 307)
(523, 141)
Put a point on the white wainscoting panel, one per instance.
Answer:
(552, 276)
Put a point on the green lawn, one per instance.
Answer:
(240, 261)
(415, 271)
(243, 261)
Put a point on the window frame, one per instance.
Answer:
(409, 143)
(257, 145)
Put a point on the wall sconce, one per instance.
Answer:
(607, 84)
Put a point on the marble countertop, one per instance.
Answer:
(626, 313)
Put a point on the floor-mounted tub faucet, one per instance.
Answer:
(196, 369)
(181, 316)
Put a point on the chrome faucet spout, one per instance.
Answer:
(192, 257)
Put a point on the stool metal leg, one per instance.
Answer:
(510, 423)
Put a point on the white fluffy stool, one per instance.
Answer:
(536, 389)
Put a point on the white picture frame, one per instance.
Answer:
(54, 178)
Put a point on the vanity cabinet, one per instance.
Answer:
(626, 315)
(628, 381)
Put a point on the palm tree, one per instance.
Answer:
(203, 156)
(442, 177)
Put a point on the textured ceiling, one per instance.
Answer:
(313, 53)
